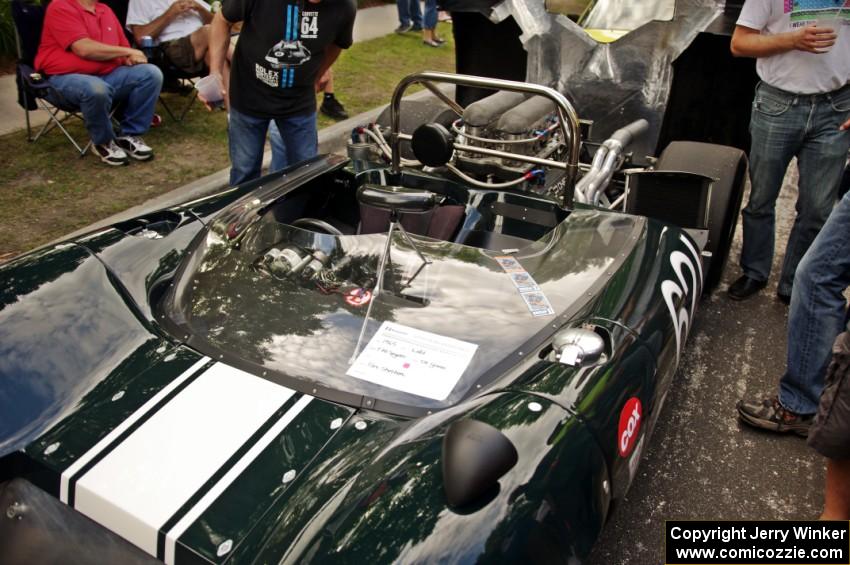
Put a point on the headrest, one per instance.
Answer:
(432, 145)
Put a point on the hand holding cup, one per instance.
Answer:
(819, 37)
(211, 91)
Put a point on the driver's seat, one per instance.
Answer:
(417, 213)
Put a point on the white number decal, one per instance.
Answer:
(672, 291)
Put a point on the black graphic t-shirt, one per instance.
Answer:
(280, 50)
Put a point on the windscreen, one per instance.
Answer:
(305, 304)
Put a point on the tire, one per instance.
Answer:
(729, 166)
(413, 114)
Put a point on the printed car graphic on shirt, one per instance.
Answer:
(285, 54)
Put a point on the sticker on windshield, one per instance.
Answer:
(537, 303)
(509, 264)
(523, 282)
(528, 289)
(413, 361)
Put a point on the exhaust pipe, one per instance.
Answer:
(591, 186)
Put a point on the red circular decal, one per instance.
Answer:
(358, 297)
(629, 427)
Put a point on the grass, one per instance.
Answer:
(46, 190)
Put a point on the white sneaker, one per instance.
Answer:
(134, 147)
(111, 154)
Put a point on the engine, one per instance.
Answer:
(510, 122)
(512, 138)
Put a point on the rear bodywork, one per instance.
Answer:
(666, 61)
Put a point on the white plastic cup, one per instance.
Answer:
(826, 23)
(209, 89)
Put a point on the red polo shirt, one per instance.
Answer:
(65, 22)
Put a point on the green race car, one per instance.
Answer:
(361, 361)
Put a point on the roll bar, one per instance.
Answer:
(567, 119)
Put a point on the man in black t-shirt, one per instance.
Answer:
(283, 48)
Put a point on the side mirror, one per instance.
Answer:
(475, 456)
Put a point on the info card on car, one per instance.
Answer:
(413, 361)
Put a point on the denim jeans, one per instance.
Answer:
(429, 18)
(298, 140)
(817, 314)
(409, 12)
(137, 86)
(784, 125)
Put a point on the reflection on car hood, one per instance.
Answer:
(309, 331)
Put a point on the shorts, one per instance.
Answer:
(181, 54)
(830, 432)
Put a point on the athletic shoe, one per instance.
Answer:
(416, 27)
(111, 154)
(332, 108)
(768, 414)
(135, 147)
(403, 28)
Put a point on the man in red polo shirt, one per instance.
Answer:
(87, 59)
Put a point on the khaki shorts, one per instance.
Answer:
(830, 432)
(182, 55)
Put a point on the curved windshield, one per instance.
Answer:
(303, 304)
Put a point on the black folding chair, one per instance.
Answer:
(174, 81)
(34, 91)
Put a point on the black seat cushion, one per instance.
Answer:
(441, 223)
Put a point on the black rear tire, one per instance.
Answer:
(729, 166)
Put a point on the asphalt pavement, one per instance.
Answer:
(702, 464)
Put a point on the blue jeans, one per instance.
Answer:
(817, 313)
(293, 145)
(784, 125)
(137, 86)
(429, 18)
(409, 12)
(299, 140)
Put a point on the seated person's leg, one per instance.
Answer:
(200, 39)
(300, 137)
(138, 88)
(94, 98)
(189, 53)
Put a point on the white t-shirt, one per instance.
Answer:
(143, 12)
(799, 71)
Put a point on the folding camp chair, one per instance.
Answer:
(174, 80)
(34, 91)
